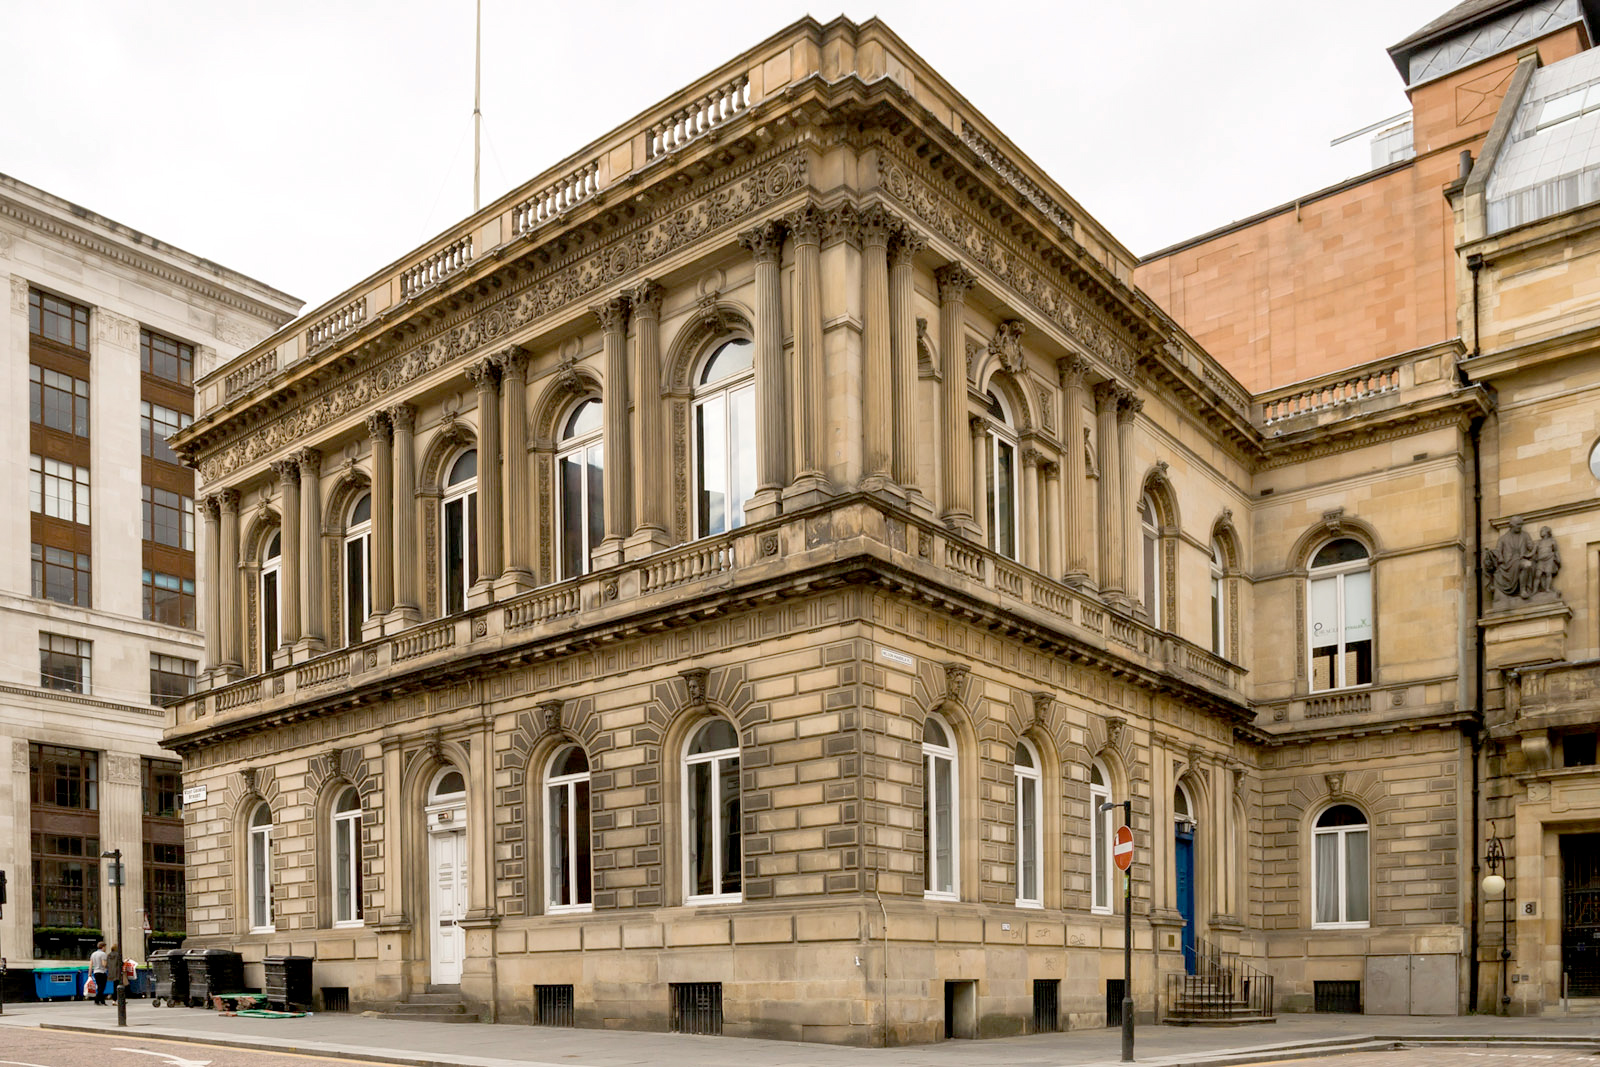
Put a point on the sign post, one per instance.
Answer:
(1122, 856)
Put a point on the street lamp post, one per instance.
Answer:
(1494, 885)
(116, 879)
(1127, 932)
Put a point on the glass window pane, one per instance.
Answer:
(1102, 849)
(711, 465)
(1355, 876)
(1027, 843)
(596, 502)
(701, 811)
(1325, 906)
(574, 556)
(944, 822)
(343, 857)
(557, 842)
(728, 801)
(1006, 499)
(580, 843)
(742, 434)
(1358, 606)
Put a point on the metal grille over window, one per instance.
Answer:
(697, 1008)
(554, 1004)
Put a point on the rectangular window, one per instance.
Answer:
(163, 787)
(164, 899)
(64, 663)
(58, 320)
(156, 424)
(59, 490)
(58, 401)
(168, 518)
(169, 599)
(64, 777)
(167, 359)
(66, 880)
(171, 678)
(61, 575)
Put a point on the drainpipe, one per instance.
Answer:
(1475, 265)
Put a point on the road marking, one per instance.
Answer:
(176, 1061)
(19, 1063)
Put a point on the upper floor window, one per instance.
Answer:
(346, 858)
(460, 520)
(1002, 501)
(1340, 619)
(168, 518)
(59, 490)
(60, 574)
(712, 858)
(580, 470)
(1100, 875)
(724, 437)
(567, 864)
(259, 870)
(1150, 542)
(171, 678)
(166, 358)
(163, 791)
(156, 424)
(58, 320)
(58, 401)
(271, 598)
(64, 777)
(1339, 867)
(1219, 610)
(357, 568)
(1030, 833)
(64, 663)
(940, 848)
(169, 599)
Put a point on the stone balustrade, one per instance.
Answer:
(556, 198)
(1381, 384)
(697, 118)
(435, 268)
(250, 374)
(335, 325)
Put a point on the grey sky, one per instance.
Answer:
(309, 142)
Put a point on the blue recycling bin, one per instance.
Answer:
(140, 985)
(58, 983)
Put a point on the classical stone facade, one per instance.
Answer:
(718, 586)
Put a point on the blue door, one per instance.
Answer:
(1184, 849)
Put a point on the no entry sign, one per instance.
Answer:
(1122, 848)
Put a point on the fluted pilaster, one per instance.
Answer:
(876, 225)
(1129, 406)
(765, 243)
(407, 604)
(1031, 493)
(1112, 540)
(210, 511)
(228, 579)
(903, 249)
(1078, 521)
(613, 317)
(810, 481)
(959, 512)
(1050, 521)
(517, 519)
(382, 514)
(485, 378)
(312, 611)
(650, 445)
(293, 547)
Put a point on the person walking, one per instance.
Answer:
(97, 971)
(113, 974)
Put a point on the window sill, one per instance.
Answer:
(1342, 926)
(715, 898)
(263, 929)
(350, 924)
(1101, 910)
(1037, 905)
(568, 909)
(928, 894)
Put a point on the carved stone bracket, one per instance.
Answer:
(1115, 724)
(1042, 702)
(550, 711)
(1335, 782)
(955, 681)
(694, 681)
(247, 779)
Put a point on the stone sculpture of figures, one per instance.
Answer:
(1546, 562)
(1509, 566)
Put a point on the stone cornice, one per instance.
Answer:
(75, 698)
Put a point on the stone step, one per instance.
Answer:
(434, 998)
(412, 1007)
(1218, 1020)
(425, 1017)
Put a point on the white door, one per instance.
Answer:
(447, 855)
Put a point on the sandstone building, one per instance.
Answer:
(718, 585)
(104, 331)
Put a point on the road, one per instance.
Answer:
(27, 1047)
(1523, 1056)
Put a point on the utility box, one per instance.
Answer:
(1412, 985)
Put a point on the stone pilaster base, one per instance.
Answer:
(647, 542)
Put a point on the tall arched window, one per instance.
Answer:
(580, 470)
(1182, 809)
(940, 818)
(1340, 619)
(346, 858)
(459, 547)
(711, 813)
(567, 865)
(357, 568)
(271, 598)
(260, 869)
(1030, 832)
(1001, 496)
(1150, 539)
(1339, 868)
(1219, 599)
(1100, 834)
(724, 437)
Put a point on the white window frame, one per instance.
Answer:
(1338, 573)
(43, 473)
(580, 447)
(725, 388)
(259, 837)
(932, 754)
(718, 873)
(1150, 557)
(271, 567)
(1034, 841)
(1342, 851)
(360, 535)
(1000, 435)
(347, 823)
(467, 493)
(1101, 884)
(567, 783)
(1219, 601)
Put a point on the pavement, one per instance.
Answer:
(424, 1044)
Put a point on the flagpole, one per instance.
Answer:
(477, 104)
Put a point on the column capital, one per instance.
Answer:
(978, 425)
(954, 280)
(378, 426)
(484, 374)
(1032, 457)
(612, 314)
(512, 362)
(1107, 394)
(401, 417)
(287, 469)
(1128, 405)
(765, 241)
(310, 461)
(878, 224)
(228, 500)
(1049, 468)
(212, 506)
(645, 299)
(841, 223)
(1073, 371)
(904, 244)
(805, 225)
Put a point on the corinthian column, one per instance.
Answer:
(650, 445)
(382, 523)
(292, 545)
(311, 566)
(903, 249)
(954, 280)
(877, 352)
(810, 483)
(1113, 540)
(518, 517)
(1029, 530)
(485, 378)
(407, 605)
(1078, 528)
(211, 509)
(613, 316)
(228, 579)
(1128, 406)
(765, 243)
(1050, 520)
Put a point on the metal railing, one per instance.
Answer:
(1221, 987)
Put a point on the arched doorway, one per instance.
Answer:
(447, 872)
(1183, 868)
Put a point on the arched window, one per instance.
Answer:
(1219, 609)
(1100, 832)
(940, 819)
(447, 787)
(271, 598)
(1150, 539)
(580, 470)
(1341, 615)
(460, 521)
(1001, 499)
(346, 859)
(260, 869)
(724, 437)
(567, 867)
(358, 568)
(1339, 867)
(711, 811)
(1030, 832)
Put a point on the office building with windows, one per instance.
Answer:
(105, 331)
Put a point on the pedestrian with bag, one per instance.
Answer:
(97, 972)
(113, 975)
